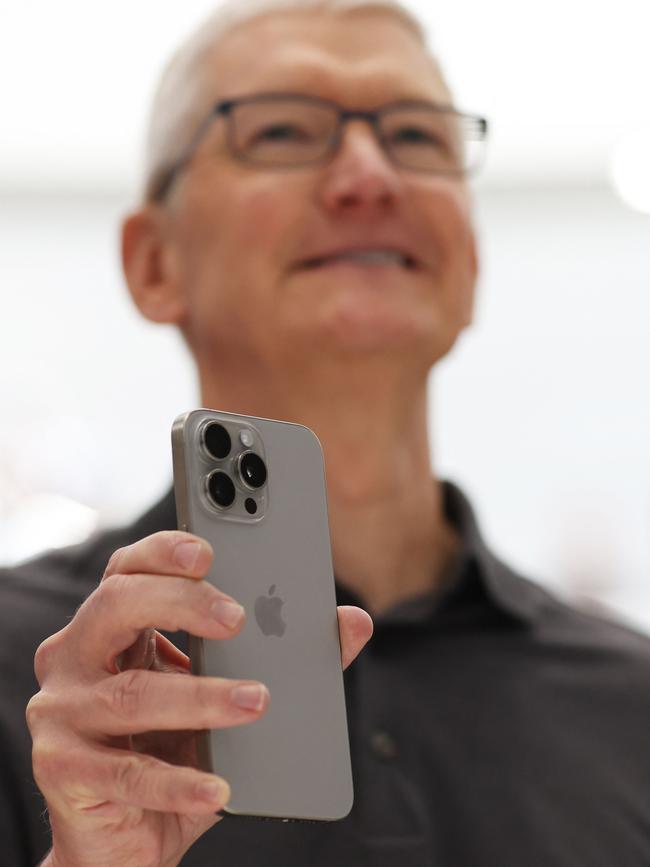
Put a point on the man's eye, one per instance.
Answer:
(282, 132)
(416, 136)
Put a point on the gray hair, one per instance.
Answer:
(182, 96)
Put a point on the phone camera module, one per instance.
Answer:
(252, 470)
(221, 489)
(216, 440)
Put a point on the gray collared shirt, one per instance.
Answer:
(491, 725)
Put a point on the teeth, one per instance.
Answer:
(371, 257)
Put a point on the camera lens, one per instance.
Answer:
(217, 441)
(221, 489)
(252, 469)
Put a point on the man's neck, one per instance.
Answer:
(390, 539)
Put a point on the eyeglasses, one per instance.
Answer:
(286, 130)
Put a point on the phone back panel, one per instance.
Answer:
(294, 761)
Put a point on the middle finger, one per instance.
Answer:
(139, 701)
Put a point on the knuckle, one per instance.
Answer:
(110, 590)
(114, 559)
(36, 711)
(125, 693)
(205, 698)
(131, 776)
(51, 764)
(46, 653)
(191, 596)
(42, 761)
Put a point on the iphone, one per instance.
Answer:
(254, 488)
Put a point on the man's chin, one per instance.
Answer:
(350, 335)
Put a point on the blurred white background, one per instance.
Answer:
(541, 414)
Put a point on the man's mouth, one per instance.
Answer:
(370, 258)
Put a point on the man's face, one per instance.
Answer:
(240, 236)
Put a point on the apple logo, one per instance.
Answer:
(268, 614)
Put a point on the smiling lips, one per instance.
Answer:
(374, 257)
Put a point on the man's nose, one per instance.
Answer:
(360, 177)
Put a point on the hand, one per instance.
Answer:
(113, 724)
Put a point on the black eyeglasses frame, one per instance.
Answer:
(224, 108)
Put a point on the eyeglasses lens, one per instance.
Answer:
(282, 132)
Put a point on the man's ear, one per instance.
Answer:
(148, 264)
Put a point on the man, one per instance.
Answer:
(307, 225)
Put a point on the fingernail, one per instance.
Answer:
(212, 791)
(186, 554)
(227, 612)
(249, 696)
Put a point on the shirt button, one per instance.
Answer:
(382, 745)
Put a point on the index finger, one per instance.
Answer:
(168, 552)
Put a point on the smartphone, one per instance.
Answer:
(255, 489)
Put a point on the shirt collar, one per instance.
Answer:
(509, 592)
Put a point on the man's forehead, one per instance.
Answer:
(368, 56)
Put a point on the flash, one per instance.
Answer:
(246, 438)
